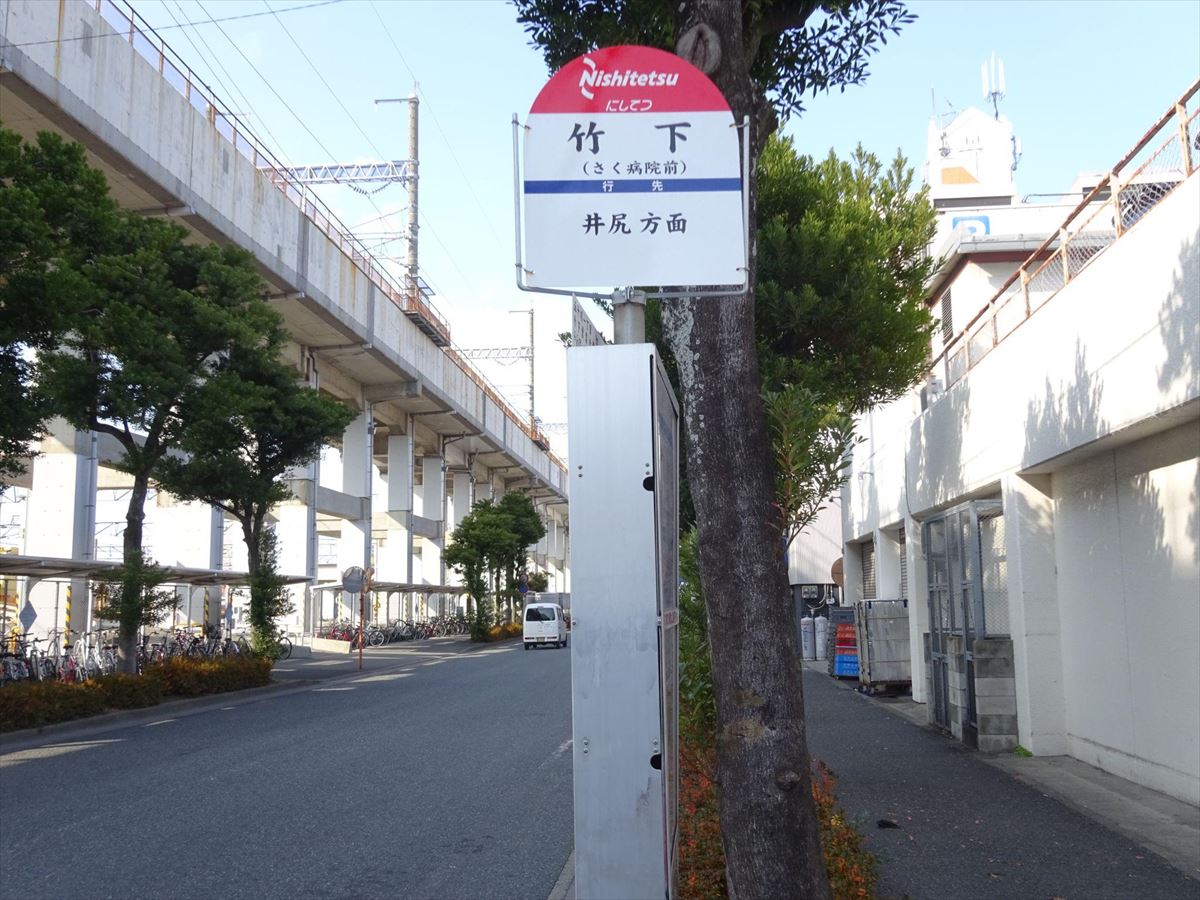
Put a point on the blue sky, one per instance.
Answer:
(1084, 79)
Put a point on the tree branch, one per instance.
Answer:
(124, 438)
(781, 17)
(784, 16)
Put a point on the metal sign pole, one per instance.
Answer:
(631, 174)
(629, 316)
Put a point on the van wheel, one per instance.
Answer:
(526, 646)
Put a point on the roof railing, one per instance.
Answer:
(1164, 158)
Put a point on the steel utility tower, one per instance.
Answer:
(511, 353)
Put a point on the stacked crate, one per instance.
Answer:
(845, 649)
(838, 615)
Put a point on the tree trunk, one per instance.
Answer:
(259, 620)
(768, 819)
(133, 586)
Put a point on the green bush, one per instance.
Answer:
(186, 677)
(31, 704)
(123, 691)
(485, 616)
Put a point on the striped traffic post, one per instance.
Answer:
(67, 621)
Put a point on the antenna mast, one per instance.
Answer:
(992, 75)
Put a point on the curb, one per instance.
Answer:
(564, 888)
(12, 741)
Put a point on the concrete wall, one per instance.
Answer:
(119, 96)
(1125, 541)
(1114, 349)
(1086, 421)
(812, 553)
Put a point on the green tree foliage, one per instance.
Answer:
(488, 548)
(252, 424)
(537, 582)
(481, 538)
(795, 47)
(840, 317)
(133, 591)
(527, 530)
(697, 706)
(161, 317)
(56, 218)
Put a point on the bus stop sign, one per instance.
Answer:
(632, 176)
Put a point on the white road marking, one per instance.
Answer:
(19, 756)
(562, 748)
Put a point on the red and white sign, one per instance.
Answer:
(632, 176)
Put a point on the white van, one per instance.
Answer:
(544, 624)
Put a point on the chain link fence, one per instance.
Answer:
(993, 574)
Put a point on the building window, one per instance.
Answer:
(947, 316)
(868, 570)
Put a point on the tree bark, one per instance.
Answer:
(258, 603)
(133, 586)
(768, 819)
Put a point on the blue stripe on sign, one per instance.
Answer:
(633, 186)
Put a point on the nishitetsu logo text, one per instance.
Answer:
(591, 77)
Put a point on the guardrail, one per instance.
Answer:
(1165, 156)
(126, 21)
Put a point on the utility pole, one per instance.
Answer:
(532, 420)
(410, 259)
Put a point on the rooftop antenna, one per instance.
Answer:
(992, 75)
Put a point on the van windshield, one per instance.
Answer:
(539, 614)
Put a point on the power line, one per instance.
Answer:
(379, 153)
(228, 86)
(367, 137)
(338, 100)
(179, 24)
(328, 153)
(438, 124)
(264, 80)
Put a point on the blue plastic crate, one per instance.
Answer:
(845, 666)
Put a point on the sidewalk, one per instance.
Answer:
(975, 825)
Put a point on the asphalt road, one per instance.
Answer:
(444, 776)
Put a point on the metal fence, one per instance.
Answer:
(993, 574)
(1157, 164)
(126, 22)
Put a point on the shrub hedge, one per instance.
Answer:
(33, 704)
(184, 677)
